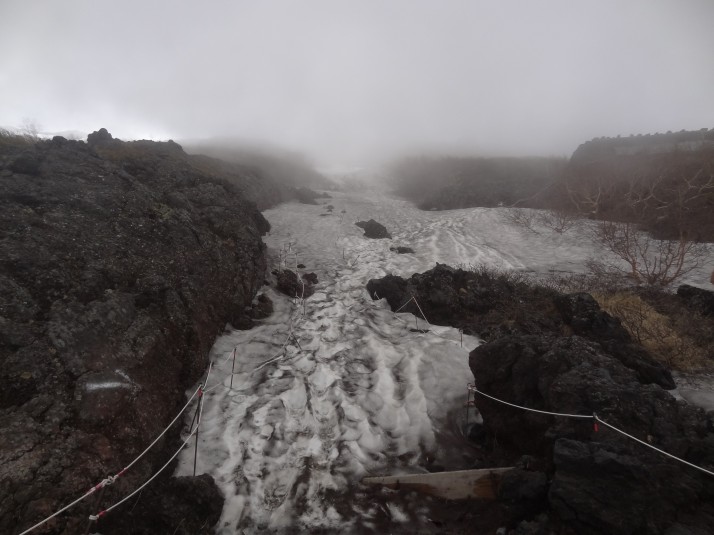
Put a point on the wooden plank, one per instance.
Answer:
(458, 485)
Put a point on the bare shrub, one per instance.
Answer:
(522, 218)
(648, 260)
(10, 138)
(559, 221)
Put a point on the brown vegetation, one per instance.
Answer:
(670, 333)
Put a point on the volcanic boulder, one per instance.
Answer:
(602, 482)
(374, 230)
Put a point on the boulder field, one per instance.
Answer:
(120, 262)
(561, 353)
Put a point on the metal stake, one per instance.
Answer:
(198, 425)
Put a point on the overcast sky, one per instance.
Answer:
(344, 80)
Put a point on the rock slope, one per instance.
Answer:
(561, 353)
(119, 264)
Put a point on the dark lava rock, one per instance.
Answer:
(310, 277)
(99, 137)
(524, 492)
(493, 305)
(602, 482)
(290, 285)
(401, 250)
(581, 312)
(374, 230)
(119, 265)
(562, 353)
(177, 505)
(262, 308)
(697, 299)
(27, 163)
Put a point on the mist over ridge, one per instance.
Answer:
(347, 82)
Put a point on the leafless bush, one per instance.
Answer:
(559, 221)
(648, 260)
(522, 218)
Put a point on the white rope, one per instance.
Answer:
(109, 480)
(132, 463)
(405, 304)
(595, 417)
(75, 502)
(653, 447)
(108, 509)
(420, 310)
(473, 388)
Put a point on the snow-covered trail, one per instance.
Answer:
(344, 388)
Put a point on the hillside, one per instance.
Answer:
(286, 170)
(119, 265)
(663, 182)
(460, 182)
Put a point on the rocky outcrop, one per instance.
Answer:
(292, 286)
(697, 299)
(601, 482)
(562, 353)
(492, 305)
(177, 505)
(119, 264)
(373, 230)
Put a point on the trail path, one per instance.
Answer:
(354, 391)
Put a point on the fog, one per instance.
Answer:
(347, 81)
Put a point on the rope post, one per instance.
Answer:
(468, 403)
(93, 519)
(461, 332)
(233, 368)
(198, 425)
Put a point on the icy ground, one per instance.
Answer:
(341, 388)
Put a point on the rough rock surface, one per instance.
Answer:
(292, 286)
(601, 482)
(310, 277)
(562, 353)
(401, 250)
(374, 230)
(119, 264)
(697, 299)
(493, 305)
(176, 505)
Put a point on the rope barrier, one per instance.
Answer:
(66, 507)
(603, 422)
(200, 391)
(420, 310)
(596, 418)
(100, 514)
(111, 479)
(473, 388)
(405, 304)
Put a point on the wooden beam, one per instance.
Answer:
(458, 485)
